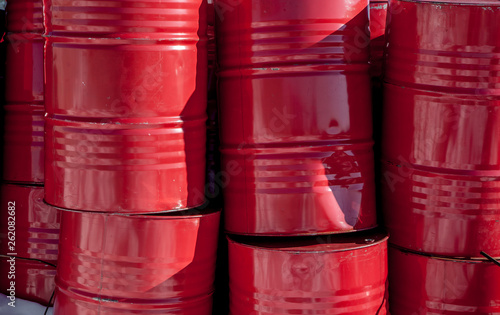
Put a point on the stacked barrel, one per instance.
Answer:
(440, 156)
(296, 144)
(126, 94)
(29, 229)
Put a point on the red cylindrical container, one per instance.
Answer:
(429, 46)
(126, 105)
(23, 147)
(440, 184)
(24, 69)
(310, 275)
(23, 154)
(34, 281)
(25, 16)
(114, 264)
(295, 108)
(441, 127)
(432, 285)
(36, 224)
(378, 17)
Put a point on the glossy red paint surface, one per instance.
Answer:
(183, 20)
(25, 16)
(24, 69)
(311, 275)
(113, 264)
(36, 223)
(441, 128)
(23, 147)
(126, 105)
(419, 56)
(34, 280)
(125, 167)
(295, 109)
(454, 215)
(378, 18)
(425, 285)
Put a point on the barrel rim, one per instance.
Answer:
(466, 260)
(313, 244)
(165, 215)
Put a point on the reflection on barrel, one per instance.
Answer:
(295, 108)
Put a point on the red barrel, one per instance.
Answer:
(36, 223)
(295, 109)
(378, 17)
(114, 264)
(441, 185)
(24, 69)
(23, 148)
(23, 154)
(126, 104)
(445, 59)
(183, 20)
(432, 285)
(441, 127)
(34, 281)
(310, 275)
(25, 16)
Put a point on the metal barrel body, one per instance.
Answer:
(25, 16)
(23, 149)
(165, 19)
(295, 116)
(441, 127)
(36, 223)
(441, 188)
(311, 275)
(34, 281)
(114, 264)
(432, 285)
(126, 105)
(23, 143)
(24, 69)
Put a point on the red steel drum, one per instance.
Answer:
(25, 16)
(441, 127)
(23, 143)
(295, 109)
(309, 275)
(429, 45)
(441, 186)
(432, 285)
(36, 223)
(126, 105)
(24, 69)
(23, 151)
(34, 281)
(378, 17)
(115, 264)
(121, 166)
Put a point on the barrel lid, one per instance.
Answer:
(310, 244)
(485, 3)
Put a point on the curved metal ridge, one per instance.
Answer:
(128, 19)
